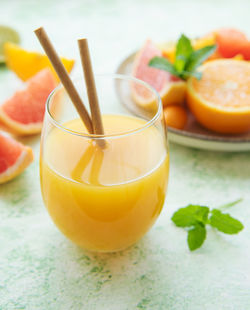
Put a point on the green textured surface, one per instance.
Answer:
(39, 268)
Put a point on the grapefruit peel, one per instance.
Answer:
(23, 113)
(13, 162)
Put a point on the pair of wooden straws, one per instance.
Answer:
(94, 123)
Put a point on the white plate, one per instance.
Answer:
(194, 135)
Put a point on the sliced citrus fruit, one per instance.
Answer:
(221, 99)
(168, 50)
(175, 116)
(7, 34)
(26, 63)
(23, 113)
(14, 158)
(232, 42)
(171, 89)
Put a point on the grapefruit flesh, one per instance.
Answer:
(169, 87)
(220, 101)
(23, 113)
(14, 158)
(232, 42)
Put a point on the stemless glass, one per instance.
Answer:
(105, 199)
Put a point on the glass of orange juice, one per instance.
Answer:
(105, 199)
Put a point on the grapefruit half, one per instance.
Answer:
(14, 158)
(171, 89)
(23, 113)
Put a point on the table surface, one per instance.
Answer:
(39, 267)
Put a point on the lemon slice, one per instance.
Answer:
(7, 34)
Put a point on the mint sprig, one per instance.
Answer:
(196, 236)
(196, 217)
(187, 60)
(225, 222)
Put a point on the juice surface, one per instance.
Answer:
(105, 199)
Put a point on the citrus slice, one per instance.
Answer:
(168, 50)
(14, 158)
(26, 63)
(232, 42)
(171, 89)
(221, 99)
(7, 34)
(23, 113)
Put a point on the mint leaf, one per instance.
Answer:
(186, 59)
(190, 215)
(201, 214)
(163, 64)
(199, 56)
(196, 217)
(186, 74)
(183, 51)
(224, 222)
(196, 236)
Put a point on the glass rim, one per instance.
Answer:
(147, 124)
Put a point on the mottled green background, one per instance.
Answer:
(39, 268)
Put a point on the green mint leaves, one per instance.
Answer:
(187, 60)
(196, 236)
(225, 222)
(190, 215)
(196, 217)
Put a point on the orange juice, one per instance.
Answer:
(105, 199)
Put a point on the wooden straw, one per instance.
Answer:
(64, 77)
(91, 89)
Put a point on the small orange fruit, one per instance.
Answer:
(175, 116)
(221, 99)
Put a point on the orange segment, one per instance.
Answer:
(14, 158)
(221, 99)
(26, 63)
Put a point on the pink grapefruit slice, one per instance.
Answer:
(171, 89)
(14, 158)
(23, 113)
